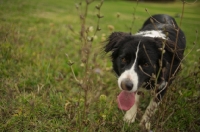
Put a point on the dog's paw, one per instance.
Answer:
(130, 115)
(129, 118)
(145, 122)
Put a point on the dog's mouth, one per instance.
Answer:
(126, 100)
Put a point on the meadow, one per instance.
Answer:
(54, 75)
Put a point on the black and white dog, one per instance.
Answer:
(149, 59)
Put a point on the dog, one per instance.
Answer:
(149, 59)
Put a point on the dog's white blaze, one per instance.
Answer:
(152, 33)
(130, 74)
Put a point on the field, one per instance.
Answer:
(54, 75)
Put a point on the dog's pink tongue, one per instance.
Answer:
(126, 100)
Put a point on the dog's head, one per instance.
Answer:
(135, 59)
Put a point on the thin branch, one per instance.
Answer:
(99, 16)
(151, 16)
(147, 55)
(189, 2)
(72, 70)
(187, 54)
(182, 12)
(167, 118)
(132, 23)
(160, 62)
(144, 71)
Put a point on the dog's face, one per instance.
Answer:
(134, 59)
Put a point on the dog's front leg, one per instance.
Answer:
(151, 109)
(130, 115)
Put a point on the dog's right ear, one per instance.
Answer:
(113, 41)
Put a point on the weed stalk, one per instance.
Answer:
(85, 82)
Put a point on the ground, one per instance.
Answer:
(38, 91)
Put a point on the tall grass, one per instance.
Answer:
(38, 90)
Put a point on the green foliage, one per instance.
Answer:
(38, 91)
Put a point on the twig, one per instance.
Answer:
(189, 2)
(167, 118)
(99, 16)
(144, 71)
(151, 16)
(161, 60)
(72, 70)
(187, 53)
(175, 50)
(147, 56)
(132, 23)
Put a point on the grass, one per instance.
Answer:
(37, 88)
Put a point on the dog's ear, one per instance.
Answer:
(113, 41)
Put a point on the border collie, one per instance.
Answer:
(149, 59)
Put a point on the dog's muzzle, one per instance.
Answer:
(127, 84)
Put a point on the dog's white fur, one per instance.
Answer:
(152, 33)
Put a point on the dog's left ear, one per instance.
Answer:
(113, 41)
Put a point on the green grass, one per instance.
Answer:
(38, 91)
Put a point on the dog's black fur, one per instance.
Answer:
(123, 47)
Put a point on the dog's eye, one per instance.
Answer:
(145, 65)
(123, 60)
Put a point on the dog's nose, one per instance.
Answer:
(127, 84)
